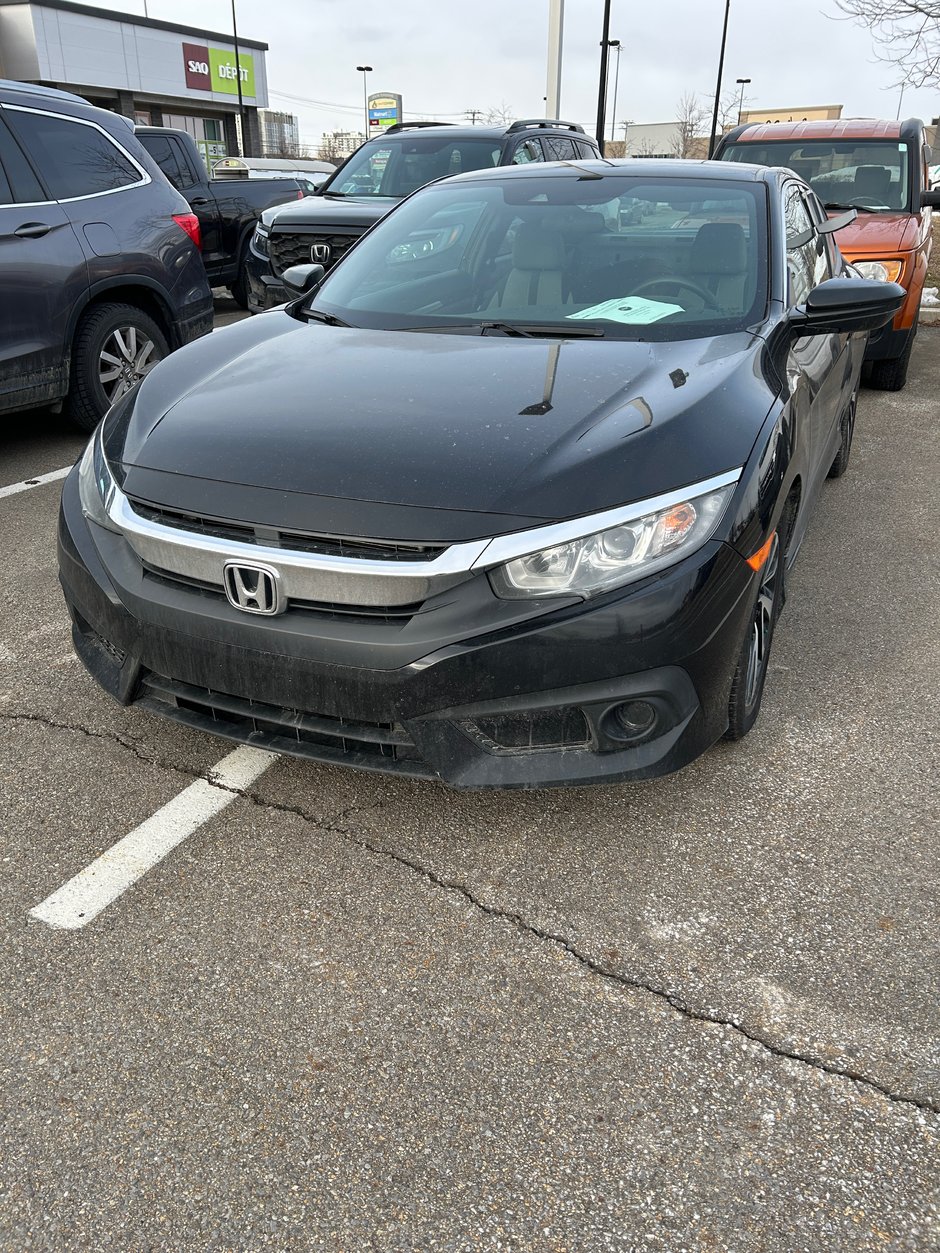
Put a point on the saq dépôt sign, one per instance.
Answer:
(213, 69)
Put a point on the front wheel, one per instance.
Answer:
(890, 376)
(747, 686)
(239, 289)
(116, 345)
(841, 460)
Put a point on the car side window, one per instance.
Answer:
(585, 150)
(558, 148)
(527, 151)
(74, 158)
(6, 195)
(827, 248)
(24, 185)
(164, 153)
(187, 177)
(802, 255)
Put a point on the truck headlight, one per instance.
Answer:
(620, 554)
(260, 242)
(886, 271)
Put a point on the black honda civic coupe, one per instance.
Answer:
(508, 499)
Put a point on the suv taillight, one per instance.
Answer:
(190, 224)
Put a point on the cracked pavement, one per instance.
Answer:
(361, 1012)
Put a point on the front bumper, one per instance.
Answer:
(265, 290)
(530, 704)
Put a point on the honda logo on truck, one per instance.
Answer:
(252, 588)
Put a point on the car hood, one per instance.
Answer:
(514, 429)
(878, 234)
(315, 210)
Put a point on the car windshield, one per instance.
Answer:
(866, 174)
(562, 255)
(402, 165)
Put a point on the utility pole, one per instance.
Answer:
(473, 114)
(556, 24)
(602, 80)
(721, 66)
(246, 146)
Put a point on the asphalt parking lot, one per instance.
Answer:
(351, 1012)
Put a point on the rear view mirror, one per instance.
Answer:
(841, 305)
(930, 199)
(301, 279)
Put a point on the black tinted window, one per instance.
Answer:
(74, 159)
(23, 185)
(164, 153)
(586, 150)
(6, 196)
(557, 148)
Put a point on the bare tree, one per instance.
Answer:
(331, 149)
(501, 116)
(691, 124)
(907, 35)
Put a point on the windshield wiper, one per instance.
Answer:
(506, 327)
(525, 330)
(839, 204)
(330, 319)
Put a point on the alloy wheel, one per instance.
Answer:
(127, 356)
(762, 626)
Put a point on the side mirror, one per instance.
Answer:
(930, 199)
(301, 279)
(841, 305)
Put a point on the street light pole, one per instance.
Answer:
(743, 82)
(721, 66)
(613, 117)
(602, 80)
(556, 26)
(246, 146)
(364, 70)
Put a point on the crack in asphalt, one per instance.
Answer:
(330, 824)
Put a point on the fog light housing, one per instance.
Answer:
(631, 721)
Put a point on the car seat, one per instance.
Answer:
(536, 278)
(719, 262)
(872, 182)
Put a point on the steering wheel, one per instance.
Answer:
(680, 284)
(862, 202)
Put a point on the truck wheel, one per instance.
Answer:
(890, 376)
(115, 346)
(239, 289)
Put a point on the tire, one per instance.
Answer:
(890, 376)
(239, 289)
(841, 461)
(750, 674)
(115, 346)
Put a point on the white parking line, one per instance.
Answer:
(83, 898)
(14, 488)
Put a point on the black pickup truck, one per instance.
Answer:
(227, 209)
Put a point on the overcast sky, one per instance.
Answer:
(446, 56)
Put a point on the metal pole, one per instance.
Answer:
(556, 27)
(365, 69)
(743, 82)
(602, 80)
(246, 146)
(721, 66)
(613, 116)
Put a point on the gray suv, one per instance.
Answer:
(322, 228)
(100, 270)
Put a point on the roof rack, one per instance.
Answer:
(554, 123)
(407, 126)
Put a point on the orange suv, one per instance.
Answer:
(882, 170)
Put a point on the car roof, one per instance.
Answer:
(836, 129)
(408, 130)
(48, 93)
(724, 171)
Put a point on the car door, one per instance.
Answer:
(43, 274)
(821, 367)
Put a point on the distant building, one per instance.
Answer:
(280, 133)
(803, 113)
(338, 145)
(661, 139)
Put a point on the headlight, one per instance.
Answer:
(96, 485)
(259, 241)
(620, 554)
(884, 271)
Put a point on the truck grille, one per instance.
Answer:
(287, 250)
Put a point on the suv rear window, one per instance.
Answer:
(869, 174)
(403, 165)
(74, 158)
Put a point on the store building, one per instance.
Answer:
(156, 72)
(802, 113)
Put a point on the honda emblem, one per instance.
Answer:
(320, 253)
(252, 588)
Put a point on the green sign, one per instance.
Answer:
(224, 75)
